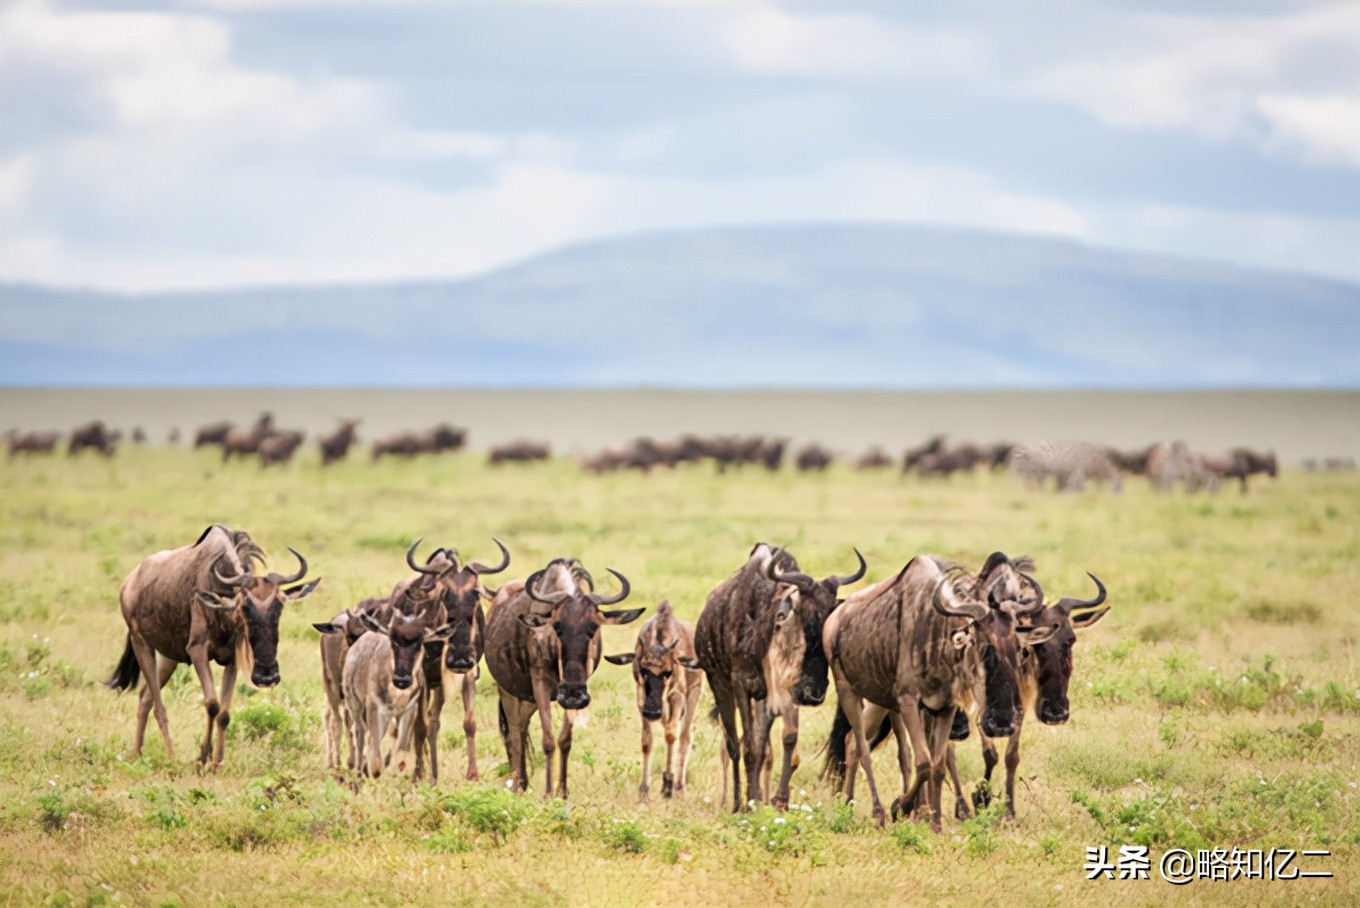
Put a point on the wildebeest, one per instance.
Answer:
(138, 435)
(1045, 670)
(519, 451)
(948, 461)
(384, 684)
(247, 441)
(212, 434)
(913, 455)
(92, 435)
(1071, 464)
(758, 641)
(456, 590)
(196, 604)
(912, 648)
(336, 445)
(279, 448)
(1242, 463)
(32, 442)
(543, 644)
(442, 437)
(813, 457)
(668, 682)
(873, 459)
(337, 636)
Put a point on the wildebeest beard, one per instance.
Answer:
(1002, 695)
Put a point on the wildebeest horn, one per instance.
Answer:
(530, 587)
(478, 568)
(1037, 605)
(292, 578)
(411, 561)
(948, 604)
(624, 589)
(797, 578)
(1069, 605)
(843, 581)
(240, 579)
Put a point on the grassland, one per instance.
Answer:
(1217, 705)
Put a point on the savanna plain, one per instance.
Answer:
(1217, 705)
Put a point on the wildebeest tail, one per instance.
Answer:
(833, 768)
(125, 676)
(502, 721)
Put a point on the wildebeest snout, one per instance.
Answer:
(401, 682)
(1002, 726)
(459, 662)
(263, 676)
(810, 693)
(573, 696)
(1051, 713)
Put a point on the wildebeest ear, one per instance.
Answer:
(620, 659)
(1033, 636)
(622, 616)
(534, 619)
(214, 601)
(372, 623)
(329, 627)
(1089, 618)
(298, 592)
(687, 662)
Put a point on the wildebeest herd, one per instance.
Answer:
(924, 654)
(1068, 466)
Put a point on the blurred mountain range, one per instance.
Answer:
(836, 306)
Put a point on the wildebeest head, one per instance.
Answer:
(655, 660)
(804, 605)
(575, 619)
(457, 587)
(260, 601)
(408, 635)
(1053, 656)
(995, 628)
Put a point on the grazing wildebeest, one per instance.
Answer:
(519, 451)
(279, 448)
(1133, 462)
(948, 461)
(758, 640)
(873, 459)
(212, 434)
(247, 441)
(911, 456)
(32, 442)
(196, 604)
(813, 457)
(1045, 671)
(772, 453)
(92, 435)
(451, 664)
(998, 454)
(138, 435)
(384, 684)
(668, 682)
(336, 445)
(908, 646)
(543, 644)
(1244, 462)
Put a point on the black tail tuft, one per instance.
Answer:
(833, 769)
(502, 720)
(125, 676)
(713, 713)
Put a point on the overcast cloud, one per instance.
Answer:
(241, 142)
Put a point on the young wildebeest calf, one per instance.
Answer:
(543, 644)
(668, 686)
(384, 683)
(337, 636)
(202, 603)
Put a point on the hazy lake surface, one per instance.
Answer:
(1297, 424)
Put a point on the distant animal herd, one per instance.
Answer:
(1065, 466)
(926, 654)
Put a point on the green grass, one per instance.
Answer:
(1218, 705)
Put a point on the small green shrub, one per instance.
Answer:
(625, 836)
(490, 810)
(913, 836)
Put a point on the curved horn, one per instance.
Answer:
(411, 560)
(1068, 605)
(851, 578)
(530, 587)
(1037, 606)
(240, 579)
(478, 568)
(797, 578)
(949, 604)
(624, 589)
(292, 578)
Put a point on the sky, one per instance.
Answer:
(230, 143)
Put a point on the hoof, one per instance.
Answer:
(780, 803)
(961, 811)
(982, 796)
(880, 817)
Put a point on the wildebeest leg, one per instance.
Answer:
(564, 748)
(982, 796)
(1012, 763)
(645, 787)
(904, 755)
(164, 669)
(731, 746)
(937, 736)
(673, 719)
(146, 661)
(755, 737)
(432, 715)
(921, 753)
(223, 713)
(544, 703)
(211, 704)
(961, 811)
(470, 723)
(377, 730)
(780, 801)
(512, 734)
(686, 731)
(852, 705)
(331, 720)
(358, 730)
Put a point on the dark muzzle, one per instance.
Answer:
(651, 713)
(998, 727)
(401, 682)
(809, 694)
(1053, 713)
(265, 677)
(573, 696)
(459, 663)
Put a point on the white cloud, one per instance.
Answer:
(1221, 78)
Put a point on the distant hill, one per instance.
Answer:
(818, 306)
